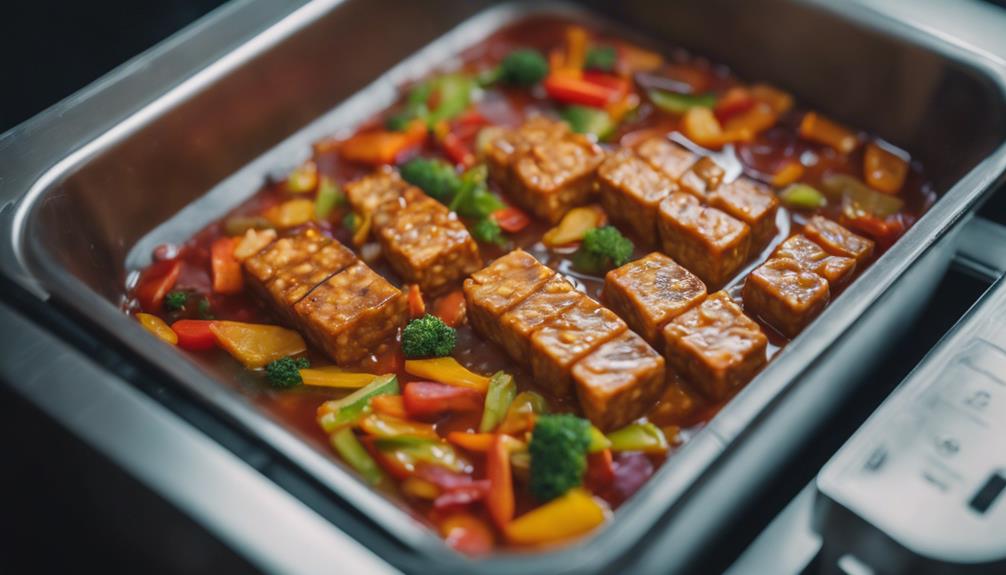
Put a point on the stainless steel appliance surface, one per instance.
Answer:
(147, 157)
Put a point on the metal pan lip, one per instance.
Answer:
(672, 483)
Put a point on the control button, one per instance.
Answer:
(876, 459)
(947, 445)
(978, 400)
(988, 493)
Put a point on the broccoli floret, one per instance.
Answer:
(601, 58)
(524, 67)
(428, 336)
(558, 454)
(175, 300)
(436, 177)
(284, 373)
(602, 249)
(488, 231)
(205, 309)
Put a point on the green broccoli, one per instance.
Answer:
(349, 222)
(523, 67)
(436, 177)
(428, 336)
(558, 454)
(601, 58)
(175, 300)
(284, 373)
(474, 200)
(205, 309)
(488, 231)
(602, 249)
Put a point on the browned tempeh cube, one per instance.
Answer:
(619, 381)
(837, 270)
(564, 339)
(752, 203)
(505, 146)
(649, 292)
(517, 325)
(785, 294)
(837, 240)
(377, 192)
(631, 191)
(710, 243)
(702, 178)
(427, 244)
(715, 346)
(352, 313)
(500, 286)
(671, 159)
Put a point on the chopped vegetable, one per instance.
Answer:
(575, 225)
(335, 377)
(584, 120)
(737, 100)
(746, 125)
(205, 309)
(434, 176)
(253, 242)
(573, 514)
(633, 59)
(415, 108)
(819, 129)
(802, 197)
(155, 282)
(291, 213)
(511, 219)
(417, 307)
(488, 231)
(350, 222)
(467, 533)
(451, 308)
(790, 173)
(447, 370)
(381, 147)
(194, 334)
(558, 454)
(601, 58)
(598, 441)
(885, 171)
(456, 149)
(600, 469)
(522, 413)
(858, 199)
(386, 426)
(675, 103)
(423, 399)
(329, 197)
(428, 336)
(392, 405)
(474, 200)
(452, 93)
(602, 249)
(523, 68)
(480, 442)
(238, 225)
(227, 276)
(500, 501)
(255, 345)
(156, 326)
(644, 437)
(176, 300)
(781, 102)
(420, 488)
(585, 91)
(701, 126)
(284, 373)
(501, 392)
(346, 411)
(304, 179)
(348, 447)
(409, 452)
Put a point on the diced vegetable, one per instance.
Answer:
(558, 454)
(348, 447)
(304, 179)
(346, 411)
(819, 129)
(329, 197)
(291, 213)
(451, 308)
(194, 334)
(858, 199)
(423, 399)
(474, 200)
(488, 231)
(381, 147)
(701, 126)
(480, 442)
(576, 47)
(644, 437)
(386, 426)
(575, 225)
(781, 102)
(885, 171)
(205, 309)
(447, 370)
(452, 93)
(155, 283)
(420, 488)
(601, 58)
(572, 90)
(633, 59)
(410, 451)
(802, 197)
(284, 373)
(501, 392)
(417, 307)
(522, 413)
(467, 533)
(392, 405)
(500, 502)
(335, 377)
(227, 276)
(600, 469)
(511, 219)
(674, 103)
(156, 326)
(573, 514)
(428, 336)
(255, 345)
(885, 231)
(584, 120)
(598, 441)
(523, 67)
(252, 243)
(788, 174)
(457, 150)
(434, 176)
(175, 300)
(746, 125)
(736, 101)
(602, 249)
(238, 225)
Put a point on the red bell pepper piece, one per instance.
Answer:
(573, 90)
(735, 102)
(616, 84)
(155, 283)
(457, 150)
(451, 308)
(417, 307)
(194, 334)
(467, 533)
(600, 470)
(227, 278)
(500, 501)
(511, 220)
(462, 495)
(429, 399)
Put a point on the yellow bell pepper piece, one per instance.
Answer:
(256, 345)
(385, 426)
(574, 225)
(574, 513)
(420, 488)
(291, 213)
(447, 370)
(335, 377)
(156, 326)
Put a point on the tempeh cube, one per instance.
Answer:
(702, 178)
(837, 270)
(671, 159)
(752, 203)
(426, 244)
(518, 324)
(785, 294)
(376, 192)
(837, 240)
(352, 313)
(619, 381)
(649, 292)
(715, 346)
(505, 146)
(498, 287)
(631, 191)
(710, 243)
(564, 339)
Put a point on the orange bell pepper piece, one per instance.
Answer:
(417, 308)
(789, 173)
(467, 533)
(819, 129)
(884, 170)
(155, 283)
(389, 405)
(500, 501)
(481, 442)
(156, 326)
(383, 147)
(227, 277)
(256, 345)
(451, 308)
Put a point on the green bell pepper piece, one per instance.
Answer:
(349, 409)
(502, 390)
